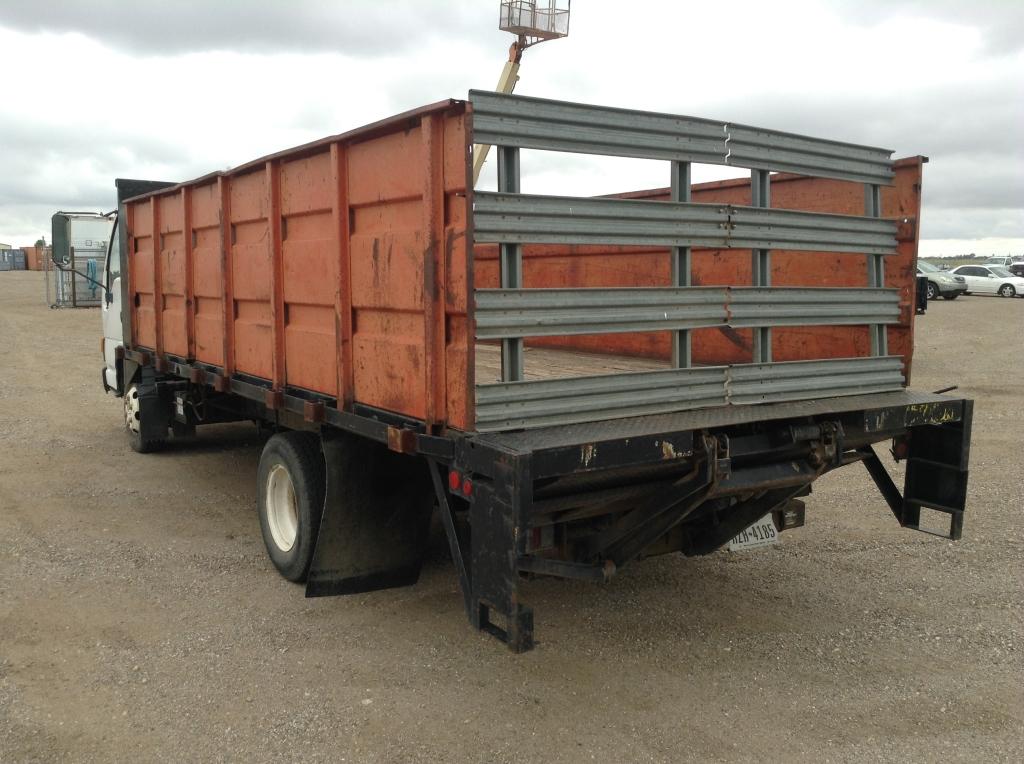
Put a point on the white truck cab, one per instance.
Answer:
(80, 265)
(110, 311)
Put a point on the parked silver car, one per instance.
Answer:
(941, 282)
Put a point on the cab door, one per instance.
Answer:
(110, 310)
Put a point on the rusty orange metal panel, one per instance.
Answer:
(387, 260)
(339, 267)
(172, 276)
(140, 261)
(207, 275)
(387, 168)
(309, 274)
(387, 349)
(251, 275)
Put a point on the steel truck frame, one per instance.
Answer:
(350, 289)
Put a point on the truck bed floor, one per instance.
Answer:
(549, 363)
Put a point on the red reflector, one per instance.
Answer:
(454, 480)
(535, 538)
(467, 487)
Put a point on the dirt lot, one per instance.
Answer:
(140, 619)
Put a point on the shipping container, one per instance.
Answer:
(12, 259)
(575, 382)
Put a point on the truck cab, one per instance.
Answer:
(87, 253)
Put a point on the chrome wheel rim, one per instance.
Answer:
(132, 411)
(282, 508)
(1007, 291)
(933, 291)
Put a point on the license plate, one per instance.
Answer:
(761, 533)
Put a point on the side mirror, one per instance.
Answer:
(61, 251)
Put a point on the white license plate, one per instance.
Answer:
(761, 533)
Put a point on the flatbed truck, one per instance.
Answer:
(571, 383)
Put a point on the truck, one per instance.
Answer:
(570, 383)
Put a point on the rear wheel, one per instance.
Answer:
(933, 291)
(1007, 290)
(951, 296)
(133, 413)
(290, 500)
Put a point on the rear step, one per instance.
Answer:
(937, 468)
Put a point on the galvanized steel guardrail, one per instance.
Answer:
(502, 313)
(536, 123)
(541, 403)
(529, 219)
(800, 380)
(811, 306)
(511, 219)
(544, 312)
(555, 402)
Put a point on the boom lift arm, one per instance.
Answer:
(506, 84)
(530, 24)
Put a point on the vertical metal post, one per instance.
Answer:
(435, 275)
(681, 343)
(188, 239)
(74, 286)
(876, 268)
(227, 240)
(511, 263)
(275, 246)
(158, 276)
(341, 229)
(761, 264)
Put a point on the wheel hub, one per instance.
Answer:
(132, 410)
(282, 508)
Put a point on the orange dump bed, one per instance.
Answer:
(344, 268)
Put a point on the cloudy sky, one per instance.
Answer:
(106, 88)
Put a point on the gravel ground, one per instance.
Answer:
(140, 619)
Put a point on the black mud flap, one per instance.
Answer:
(154, 410)
(376, 520)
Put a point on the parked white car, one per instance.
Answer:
(991, 279)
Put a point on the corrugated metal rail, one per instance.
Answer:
(536, 123)
(502, 313)
(511, 219)
(549, 402)
(528, 219)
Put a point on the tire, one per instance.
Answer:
(133, 423)
(1007, 290)
(951, 296)
(933, 291)
(290, 499)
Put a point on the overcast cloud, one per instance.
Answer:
(96, 90)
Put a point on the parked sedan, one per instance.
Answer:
(991, 279)
(941, 282)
